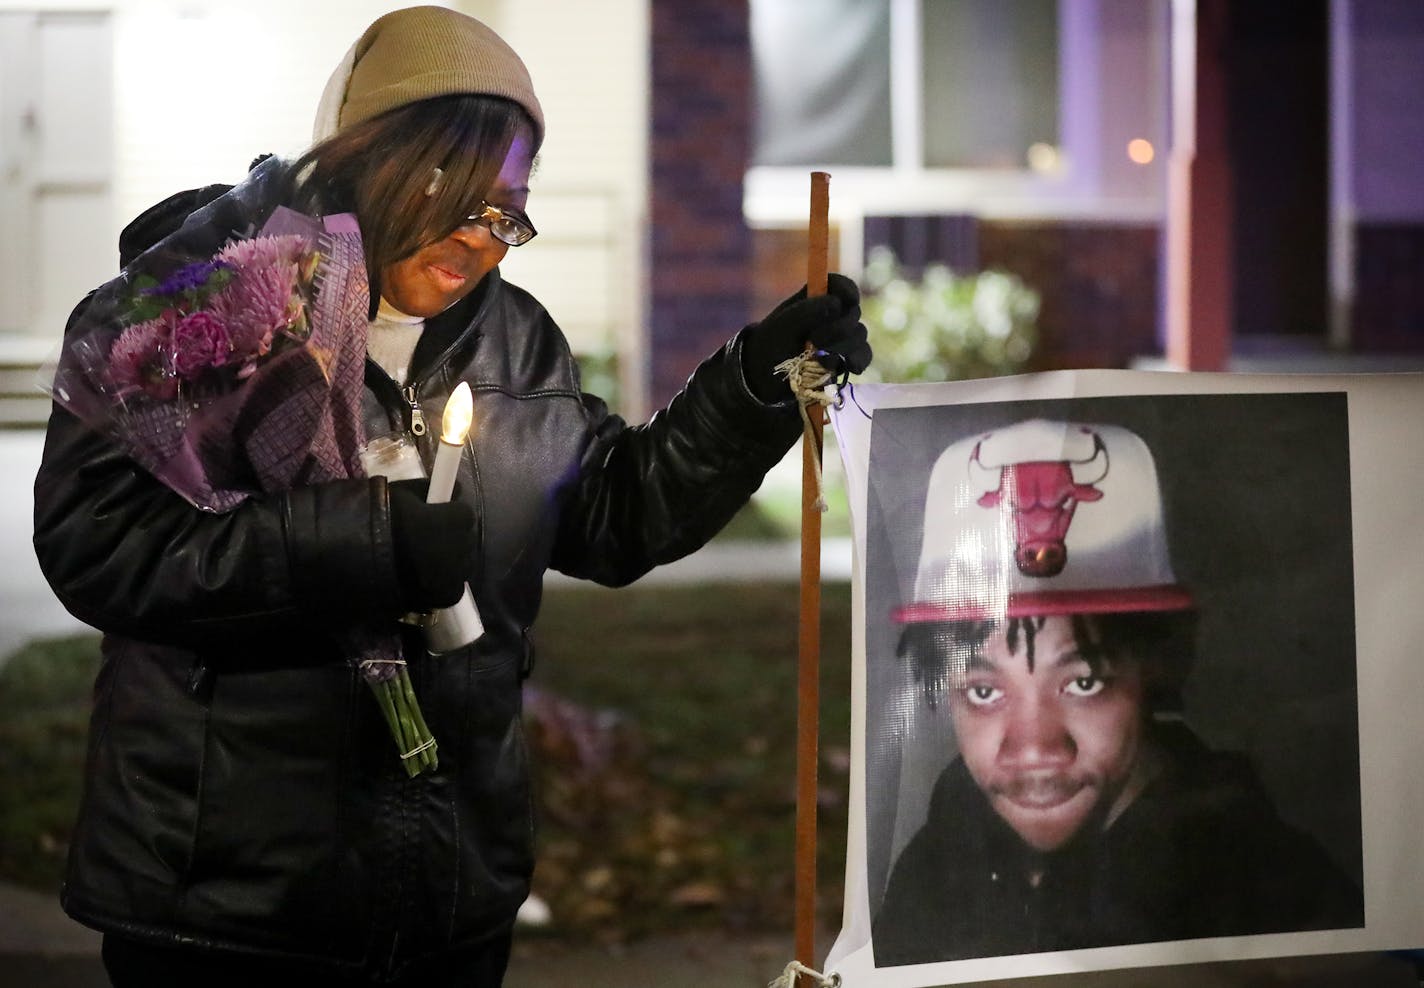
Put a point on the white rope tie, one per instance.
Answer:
(417, 749)
(808, 380)
(788, 977)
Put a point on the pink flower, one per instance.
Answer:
(138, 359)
(200, 341)
(262, 298)
(263, 252)
(255, 306)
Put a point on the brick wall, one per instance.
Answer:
(1097, 282)
(779, 264)
(949, 239)
(699, 263)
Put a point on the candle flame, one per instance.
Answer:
(459, 414)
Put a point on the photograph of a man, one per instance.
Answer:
(1079, 809)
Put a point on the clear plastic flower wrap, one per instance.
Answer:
(229, 366)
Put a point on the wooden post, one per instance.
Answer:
(808, 683)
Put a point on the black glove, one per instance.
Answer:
(830, 323)
(433, 546)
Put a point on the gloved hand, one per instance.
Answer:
(830, 322)
(433, 546)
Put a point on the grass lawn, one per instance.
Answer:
(663, 721)
(707, 678)
(44, 712)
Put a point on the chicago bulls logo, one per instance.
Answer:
(1040, 496)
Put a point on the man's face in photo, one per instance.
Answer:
(1054, 741)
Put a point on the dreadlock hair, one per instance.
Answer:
(382, 169)
(1161, 642)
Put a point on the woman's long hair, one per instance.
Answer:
(382, 169)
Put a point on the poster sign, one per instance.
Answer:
(1136, 672)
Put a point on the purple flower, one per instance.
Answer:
(256, 305)
(200, 341)
(187, 278)
(263, 252)
(138, 359)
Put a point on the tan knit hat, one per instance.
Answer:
(417, 53)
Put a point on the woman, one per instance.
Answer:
(244, 815)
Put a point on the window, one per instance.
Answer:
(990, 81)
(822, 81)
(999, 107)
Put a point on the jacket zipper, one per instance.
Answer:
(417, 414)
(418, 425)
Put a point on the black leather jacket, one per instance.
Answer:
(242, 790)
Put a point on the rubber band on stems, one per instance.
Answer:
(418, 749)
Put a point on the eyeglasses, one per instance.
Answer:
(508, 226)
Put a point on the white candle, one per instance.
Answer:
(458, 626)
(454, 428)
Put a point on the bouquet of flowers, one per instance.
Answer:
(238, 373)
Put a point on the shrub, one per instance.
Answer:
(946, 326)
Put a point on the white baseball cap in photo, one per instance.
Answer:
(1043, 518)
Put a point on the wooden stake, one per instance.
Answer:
(808, 684)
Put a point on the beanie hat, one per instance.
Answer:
(418, 53)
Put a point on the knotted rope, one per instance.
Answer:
(787, 979)
(808, 380)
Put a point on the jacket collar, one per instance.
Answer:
(457, 328)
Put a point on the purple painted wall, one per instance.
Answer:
(1387, 69)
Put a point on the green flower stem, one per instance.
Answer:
(383, 701)
(430, 756)
(386, 700)
(401, 710)
(409, 738)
